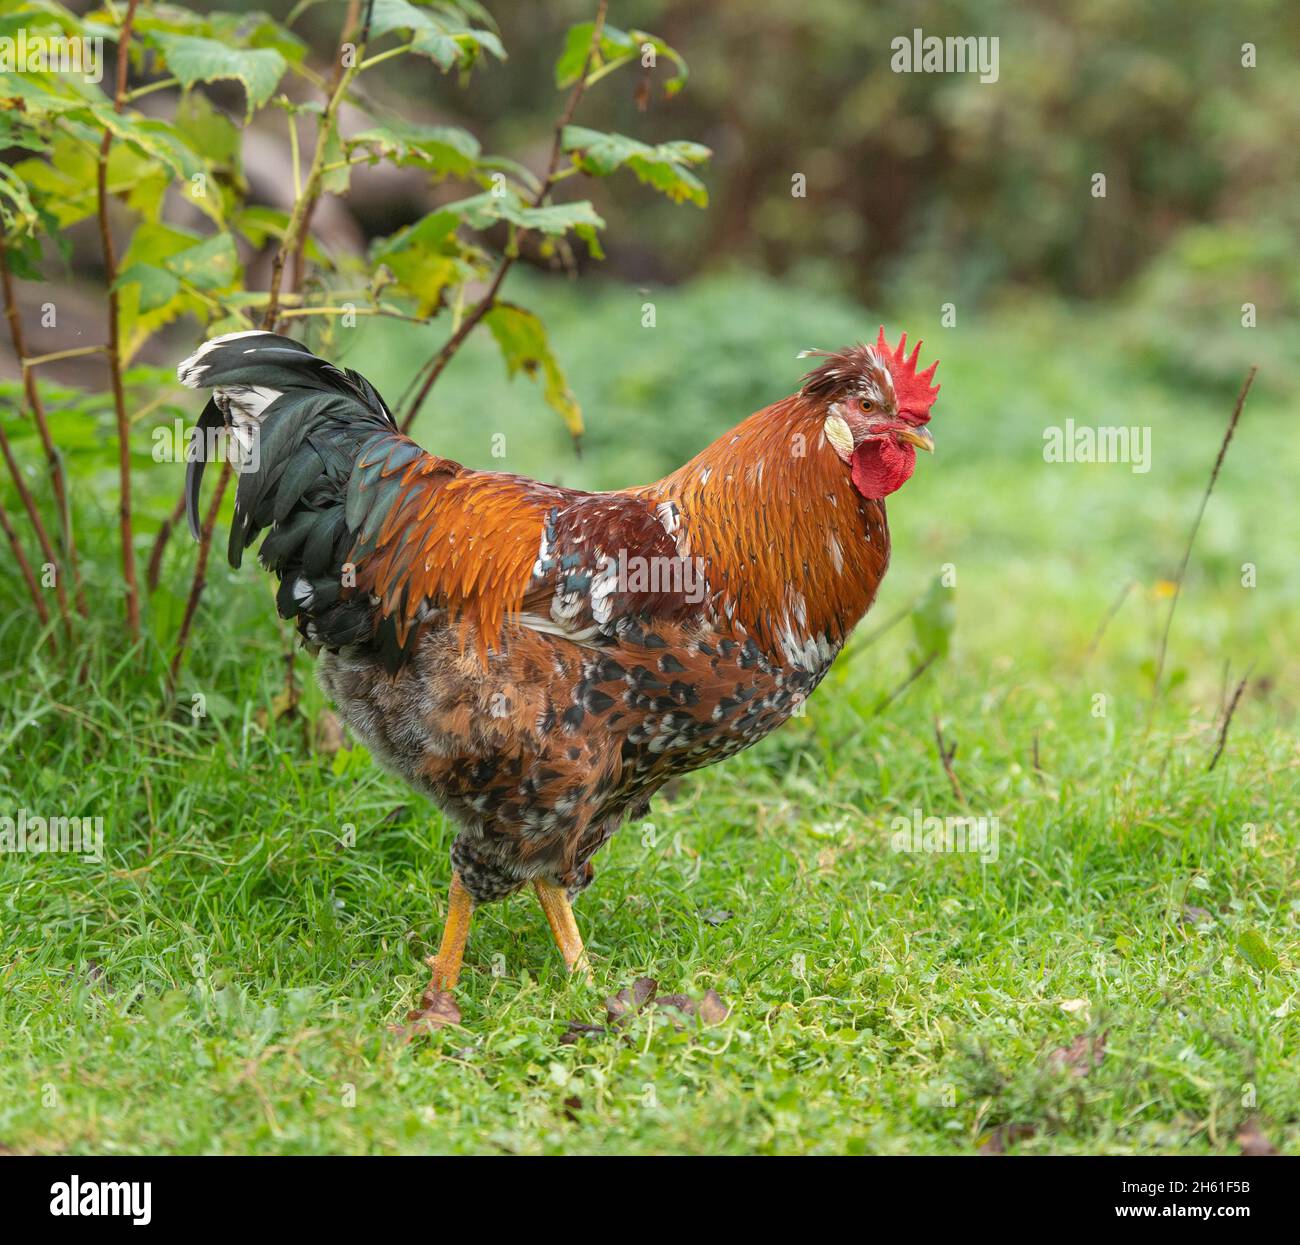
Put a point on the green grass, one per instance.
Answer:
(225, 979)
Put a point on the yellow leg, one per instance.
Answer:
(564, 929)
(446, 964)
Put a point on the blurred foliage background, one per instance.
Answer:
(923, 190)
(940, 181)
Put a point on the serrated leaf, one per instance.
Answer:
(193, 59)
(156, 139)
(17, 212)
(482, 211)
(157, 286)
(1256, 952)
(438, 34)
(445, 150)
(213, 264)
(664, 166)
(65, 183)
(616, 46)
(152, 245)
(209, 131)
(522, 339)
(425, 258)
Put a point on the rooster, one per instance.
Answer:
(537, 660)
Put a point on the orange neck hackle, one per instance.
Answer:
(788, 544)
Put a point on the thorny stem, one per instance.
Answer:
(42, 612)
(57, 481)
(437, 365)
(291, 244)
(34, 516)
(153, 573)
(322, 136)
(200, 573)
(115, 341)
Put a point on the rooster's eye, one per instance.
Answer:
(866, 405)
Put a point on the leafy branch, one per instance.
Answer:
(37, 410)
(294, 238)
(438, 364)
(109, 253)
(91, 156)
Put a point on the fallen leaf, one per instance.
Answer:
(680, 1002)
(1072, 1006)
(716, 916)
(1003, 1135)
(1081, 1056)
(625, 1001)
(643, 995)
(438, 1011)
(1252, 1141)
(713, 1011)
(579, 1029)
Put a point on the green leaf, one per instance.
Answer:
(156, 139)
(427, 257)
(482, 211)
(663, 166)
(152, 245)
(257, 223)
(211, 265)
(445, 150)
(617, 47)
(440, 35)
(17, 212)
(1256, 952)
(66, 183)
(209, 131)
(524, 347)
(157, 286)
(192, 60)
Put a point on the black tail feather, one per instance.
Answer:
(308, 422)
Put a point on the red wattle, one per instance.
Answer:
(882, 467)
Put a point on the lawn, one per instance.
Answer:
(1120, 979)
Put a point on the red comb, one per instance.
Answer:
(912, 389)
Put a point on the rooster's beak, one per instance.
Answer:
(920, 437)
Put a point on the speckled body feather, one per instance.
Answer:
(487, 637)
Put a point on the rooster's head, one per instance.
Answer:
(876, 405)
